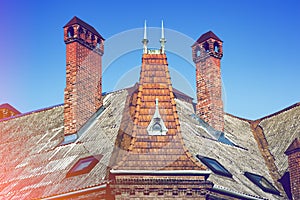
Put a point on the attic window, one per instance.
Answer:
(262, 182)
(215, 166)
(84, 165)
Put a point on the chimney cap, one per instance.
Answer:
(76, 20)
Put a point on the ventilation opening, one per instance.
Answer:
(206, 47)
(216, 47)
(98, 43)
(70, 32)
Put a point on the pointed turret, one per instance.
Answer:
(145, 40)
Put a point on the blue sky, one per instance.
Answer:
(260, 66)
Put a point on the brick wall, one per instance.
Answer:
(293, 153)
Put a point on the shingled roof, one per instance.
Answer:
(208, 35)
(39, 166)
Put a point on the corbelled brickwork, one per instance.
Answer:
(84, 50)
(207, 54)
(293, 153)
(160, 186)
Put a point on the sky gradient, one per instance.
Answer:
(260, 66)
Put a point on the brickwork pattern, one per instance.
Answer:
(207, 57)
(294, 168)
(293, 153)
(83, 76)
(160, 187)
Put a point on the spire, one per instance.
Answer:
(162, 29)
(162, 39)
(145, 40)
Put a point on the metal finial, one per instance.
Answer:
(145, 40)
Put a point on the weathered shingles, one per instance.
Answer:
(36, 166)
(22, 162)
(234, 159)
(280, 130)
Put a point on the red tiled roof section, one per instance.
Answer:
(76, 20)
(208, 35)
(152, 152)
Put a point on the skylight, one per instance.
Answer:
(84, 165)
(262, 182)
(69, 139)
(215, 166)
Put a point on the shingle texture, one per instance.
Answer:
(236, 160)
(280, 131)
(35, 165)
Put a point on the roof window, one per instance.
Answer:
(84, 165)
(262, 182)
(69, 139)
(215, 166)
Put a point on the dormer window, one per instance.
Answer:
(157, 126)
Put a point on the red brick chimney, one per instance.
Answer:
(84, 50)
(293, 153)
(207, 53)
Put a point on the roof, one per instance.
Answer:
(207, 36)
(76, 20)
(280, 131)
(38, 167)
(238, 159)
(9, 107)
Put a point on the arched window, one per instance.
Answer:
(70, 32)
(206, 46)
(98, 43)
(216, 47)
